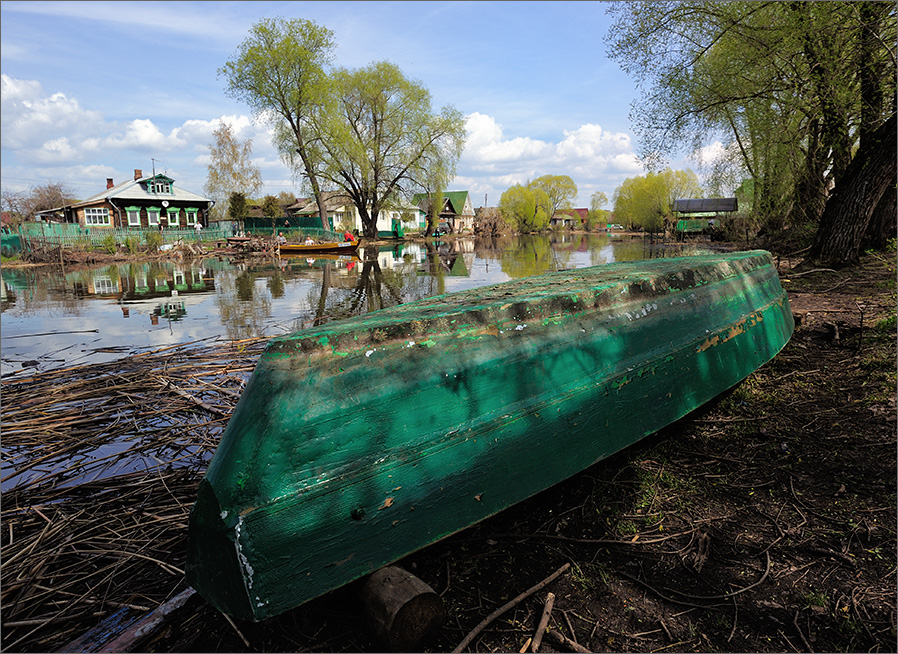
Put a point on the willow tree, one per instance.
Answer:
(559, 189)
(279, 70)
(647, 201)
(525, 207)
(790, 89)
(381, 141)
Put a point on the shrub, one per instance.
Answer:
(153, 239)
(108, 243)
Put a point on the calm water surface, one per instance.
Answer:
(54, 317)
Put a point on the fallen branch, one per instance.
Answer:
(561, 639)
(502, 609)
(543, 621)
(808, 272)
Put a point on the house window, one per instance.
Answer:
(153, 215)
(96, 216)
(173, 217)
(191, 216)
(133, 216)
(159, 186)
(104, 285)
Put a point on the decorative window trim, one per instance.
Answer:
(96, 216)
(159, 187)
(191, 213)
(133, 210)
(153, 215)
(174, 216)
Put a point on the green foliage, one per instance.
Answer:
(381, 140)
(370, 133)
(597, 216)
(559, 189)
(886, 324)
(271, 208)
(130, 244)
(237, 206)
(647, 202)
(525, 208)
(153, 239)
(279, 71)
(108, 244)
(788, 89)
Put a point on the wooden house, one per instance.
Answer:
(140, 203)
(457, 210)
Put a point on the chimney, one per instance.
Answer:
(109, 183)
(138, 173)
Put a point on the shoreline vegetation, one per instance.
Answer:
(189, 248)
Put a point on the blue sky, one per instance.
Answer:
(92, 90)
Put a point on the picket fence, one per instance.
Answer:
(96, 238)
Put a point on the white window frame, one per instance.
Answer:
(153, 215)
(133, 217)
(177, 217)
(96, 216)
(191, 217)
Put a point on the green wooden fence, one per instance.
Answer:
(96, 238)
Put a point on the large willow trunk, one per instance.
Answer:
(851, 207)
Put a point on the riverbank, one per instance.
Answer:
(763, 522)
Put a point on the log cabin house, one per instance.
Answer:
(139, 203)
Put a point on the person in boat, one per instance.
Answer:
(348, 237)
(309, 241)
(281, 239)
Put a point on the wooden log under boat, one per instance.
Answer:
(361, 441)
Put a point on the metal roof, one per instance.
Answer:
(137, 190)
(706, 205)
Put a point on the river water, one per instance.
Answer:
(53, 317)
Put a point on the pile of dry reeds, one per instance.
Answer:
(100, 469)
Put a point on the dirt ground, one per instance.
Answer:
(763, 522)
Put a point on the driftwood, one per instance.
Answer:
(121, 631)
(402, 610)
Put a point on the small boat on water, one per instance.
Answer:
(360, 441)
(345, 247)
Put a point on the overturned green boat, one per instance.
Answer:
(359, 442)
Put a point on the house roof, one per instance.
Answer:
(137, 190)
(455, 199)
(580, 213)
(706, 205)
(133, 189)
(332, 200)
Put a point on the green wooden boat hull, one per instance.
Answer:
(359, 442)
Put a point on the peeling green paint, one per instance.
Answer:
(538, 377)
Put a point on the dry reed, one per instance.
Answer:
(100, 469)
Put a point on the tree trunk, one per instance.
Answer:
(882, 225)
(313, 180)
(850, 208)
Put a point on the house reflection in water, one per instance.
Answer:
(138, 282)
(173, 311)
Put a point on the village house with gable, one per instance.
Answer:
(141, 202)
(457, 211)
(343, 214)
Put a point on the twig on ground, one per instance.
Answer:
(502, 609)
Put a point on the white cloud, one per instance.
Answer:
(29, 118)
(594, 158)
